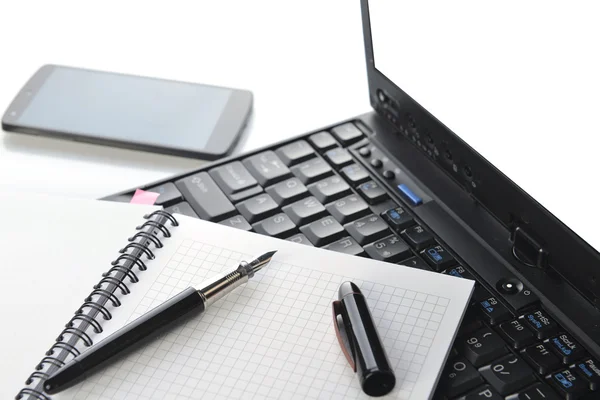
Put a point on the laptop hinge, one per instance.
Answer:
(527, 248)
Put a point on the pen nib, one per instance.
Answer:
(259, 262)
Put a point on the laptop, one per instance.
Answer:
(449, 173)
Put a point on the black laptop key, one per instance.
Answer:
(372, 192)
(235, 181)
(493, 310)
(416, 262)
(508, 374)
(237, 221)
(304, 211)
(398, 218)
(267, 168)
(205, 197)
(257, 207)
(348, 209)
(542, 325)
(182, 208)
(323, 231)
(338, 157)
(566, 348)
(589, 370)
(569, 384)
(539, 391)
(382, 207)
(460, 272)
(485, 392)
(516, 333)
(296, 152)
(459, 376)
(278, 225)
(438, 257)
(312, 170)
(322, 141)
(346, 245)
(347, 133)
(329, 189)
(417, 237)
(471, 322)
(368, 229)
(541, 358)
(355, 174)
(287, 191)
(483, 346)
(233, 177)
(389, 249)
(168, 194)
(300, 239)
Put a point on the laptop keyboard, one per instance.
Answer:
(315, 192)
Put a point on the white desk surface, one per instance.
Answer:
(304, 61)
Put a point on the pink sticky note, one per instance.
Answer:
(144, 197)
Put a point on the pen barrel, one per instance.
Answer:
(148, 324)
(372, 366)
(220, 285)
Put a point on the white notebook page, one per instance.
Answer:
(274, 336)
(52, 251)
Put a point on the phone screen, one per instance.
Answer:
(125, 108)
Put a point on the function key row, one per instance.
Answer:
(558, 360)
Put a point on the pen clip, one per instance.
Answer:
(341, 331)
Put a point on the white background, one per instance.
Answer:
(518, 81)
(304, 61)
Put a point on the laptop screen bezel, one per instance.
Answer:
(568, 253)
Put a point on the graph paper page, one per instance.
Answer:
(274, 338)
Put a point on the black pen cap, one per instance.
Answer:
(360, 341)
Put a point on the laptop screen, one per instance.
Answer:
(518, 81)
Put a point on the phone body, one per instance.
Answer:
(130, 111)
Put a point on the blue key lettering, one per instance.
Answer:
(394, 214)
(585, 370)
(435, 255)
(563, 381)
(561, 346)
(534, 321)
(486, 304)
(454, 272)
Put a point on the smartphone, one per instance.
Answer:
(135, 112)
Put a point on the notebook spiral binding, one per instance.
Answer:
(86, 319)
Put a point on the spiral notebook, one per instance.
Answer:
(271, 338)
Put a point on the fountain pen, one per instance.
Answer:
(190, 301)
